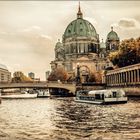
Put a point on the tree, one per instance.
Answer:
(58, 74)
(20, 77)
(128, 53)
(95, 77)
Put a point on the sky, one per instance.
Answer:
(29, 30)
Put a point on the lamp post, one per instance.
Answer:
(78, 74)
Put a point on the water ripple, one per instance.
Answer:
(64, 119)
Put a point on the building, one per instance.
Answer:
(81, 46)
(5, 75)
(31, 75)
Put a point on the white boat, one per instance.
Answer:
(112, 96)
(19, 96)
(43, 93)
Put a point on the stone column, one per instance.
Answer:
(109, 79)
(126, 77)
(120, 78)
(138, 75)
(106, 77)
(114, 79)
(117, 78)
(135, 76)
(132, 80)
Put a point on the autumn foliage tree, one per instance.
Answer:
(128, 53)
(19, 76)
(95, 77)
(58, 74)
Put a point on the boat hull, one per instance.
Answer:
(100, 102)
(43, 96)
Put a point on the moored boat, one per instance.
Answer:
(112, 96)
(43, 93)
(19, 96)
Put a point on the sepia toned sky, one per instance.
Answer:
(30, 29)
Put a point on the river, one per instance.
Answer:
(64, 119)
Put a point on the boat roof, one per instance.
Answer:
(107, 92)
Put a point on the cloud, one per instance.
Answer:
(127, 23)
(127, 28)
(28, 49)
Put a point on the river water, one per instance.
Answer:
(64, 119)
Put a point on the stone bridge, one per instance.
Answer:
(69, 87)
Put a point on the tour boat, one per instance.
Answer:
(43, 93)
(111, 96)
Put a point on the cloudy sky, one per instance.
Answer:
(30, 29)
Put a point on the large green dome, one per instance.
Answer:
(80, 27)
(112, 35)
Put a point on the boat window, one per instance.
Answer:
(103, 96)
(97, 96)
(114, 93)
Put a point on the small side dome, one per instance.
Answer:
(3, 67)
(112, 35)
(102, 45)
(58, 44)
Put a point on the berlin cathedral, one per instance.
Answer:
(81, 46)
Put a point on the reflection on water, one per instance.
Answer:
(64, 119)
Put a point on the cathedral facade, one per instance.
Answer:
(81, 46)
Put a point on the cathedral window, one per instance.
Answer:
(82, 48)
